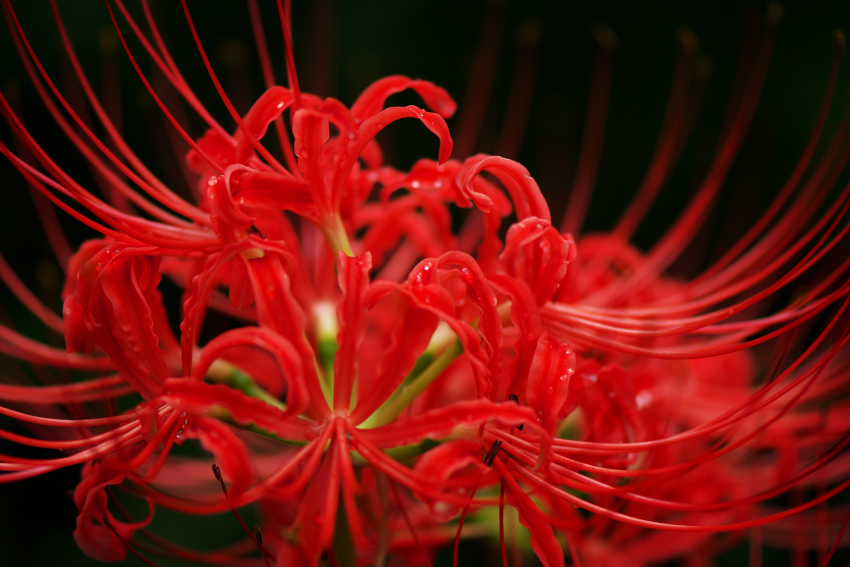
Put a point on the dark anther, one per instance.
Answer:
(515, 399)
(216, 472)
(258, 535)
(491, 454)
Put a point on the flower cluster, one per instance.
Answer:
(384, 377)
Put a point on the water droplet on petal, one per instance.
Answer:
(98, 267)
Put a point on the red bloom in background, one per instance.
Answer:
(383, 377)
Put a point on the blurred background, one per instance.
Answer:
(539, 56)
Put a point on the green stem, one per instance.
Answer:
(337, 237)
(238, 380)
(404, 396)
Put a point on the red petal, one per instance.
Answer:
(490, 324)
(372, 100)
(264, 111)
(526, 195)
(229, 452)
(278, 310)
(536, 253)
(287, 358)
(526, 317)
(353, 277)
(92, 536)
(372, 126)
(441, 462)
(311, 132)
(317, 515)
(112, 300)
(267, 190)
(549, 376)
(241, 294)
(409, 340)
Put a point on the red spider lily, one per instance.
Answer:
(384, 377)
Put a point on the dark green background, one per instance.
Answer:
(435, 41)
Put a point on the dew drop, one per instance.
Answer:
(415, 185)
(438, 184)
(98, 267)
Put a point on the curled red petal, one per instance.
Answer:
(93, 537)
(372, 100)
(372, 126)
(536, 253)
(113, 302)
(525, 194)
(263, 112)
(288, 360)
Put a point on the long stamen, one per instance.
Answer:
(290, 57)
(594, 132)
(252, 139)
(268, 77)
(522, 90)
(481, 78)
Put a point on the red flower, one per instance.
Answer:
(382, 376)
